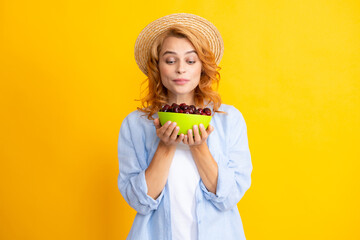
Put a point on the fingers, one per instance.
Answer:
(185, 139)
(204, 133)
(168, 133)
(210, 129)
(190, 138)
(157, 123)
(170, 129)
(180, 138)
(163, 128)
(194, 137)
(197, 137)
(174, 133)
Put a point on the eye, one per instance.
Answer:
(191, 62)
(170, 61)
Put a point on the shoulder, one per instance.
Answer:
(229, 126)
(230, 120)
(228, 108)
(136, 123)
(137, 117)
(231, 112)
(134, 115)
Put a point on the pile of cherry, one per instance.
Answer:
(184, 108)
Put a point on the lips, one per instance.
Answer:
(180, 81)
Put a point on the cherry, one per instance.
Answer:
(166, 108)
(207, 110)
(176, 109)
(173, 106)
(184, 108)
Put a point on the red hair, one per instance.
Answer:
(156, 95)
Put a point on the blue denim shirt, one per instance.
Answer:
(217, 214)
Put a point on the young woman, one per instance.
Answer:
(183, 186)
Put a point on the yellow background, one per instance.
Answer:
(68, 78)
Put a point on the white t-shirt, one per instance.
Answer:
(183, 180)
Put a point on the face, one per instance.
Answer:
(180, 69)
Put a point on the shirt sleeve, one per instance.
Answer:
(131, 179)
(234, 170)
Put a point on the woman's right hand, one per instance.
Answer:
(168, 132)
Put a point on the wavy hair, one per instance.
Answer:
(205, 95)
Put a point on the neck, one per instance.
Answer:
(178, 99)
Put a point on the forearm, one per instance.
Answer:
(206, 165)
(157, 173)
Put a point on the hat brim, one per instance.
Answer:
(149, 34)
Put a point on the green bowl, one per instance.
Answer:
(184, 121)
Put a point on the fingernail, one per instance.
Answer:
(177, 128)
(168, 122)
(174, 123)
(201, 125)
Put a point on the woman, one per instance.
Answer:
(183, 186)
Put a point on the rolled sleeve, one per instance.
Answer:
(135, 193)
(132, 165)
(225, 183)
(234, 170)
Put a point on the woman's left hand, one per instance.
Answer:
(197, 139)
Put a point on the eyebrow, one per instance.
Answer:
(171, 52)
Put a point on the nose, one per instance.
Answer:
(180, 67)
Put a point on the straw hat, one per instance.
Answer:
(149, 34)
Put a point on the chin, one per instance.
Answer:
(183, 92)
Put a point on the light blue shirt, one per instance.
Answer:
(217, 214)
